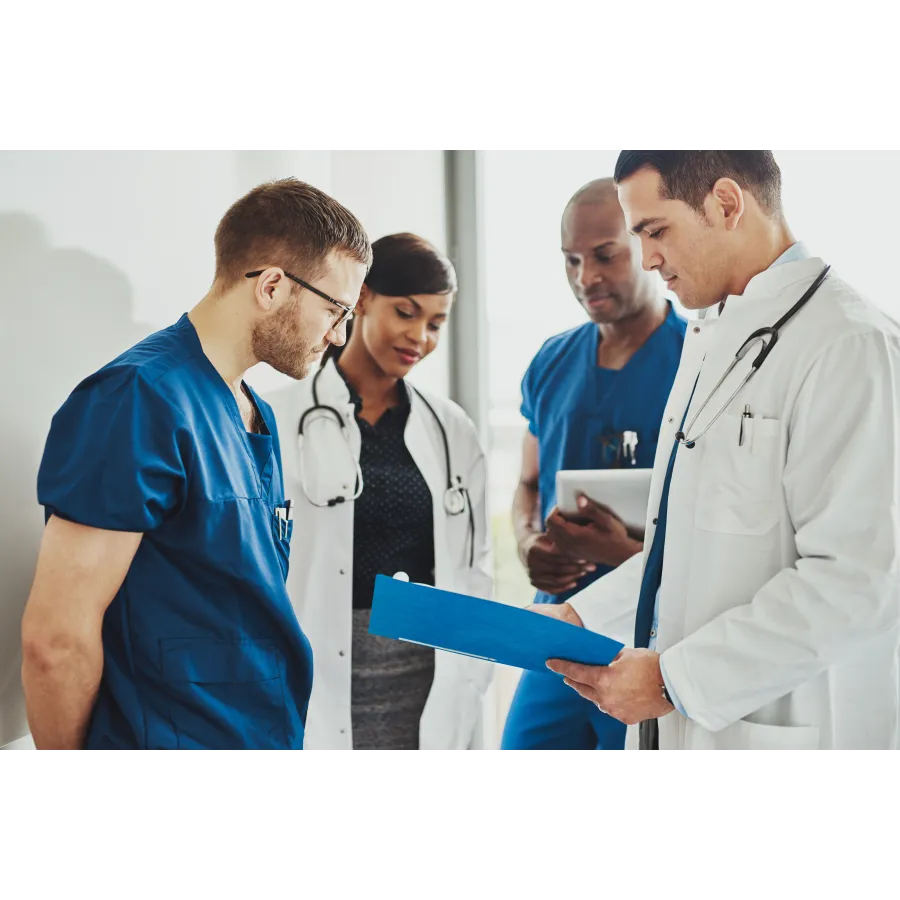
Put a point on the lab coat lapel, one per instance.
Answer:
(695, 344)
(766, 298)
(328, 449)
(333, 391)
(426, 448)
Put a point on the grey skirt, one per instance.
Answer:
(390, 683)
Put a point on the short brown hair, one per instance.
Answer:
(290, 224)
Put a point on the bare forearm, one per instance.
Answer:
(525, 511)
(79, 571)
(60, 689)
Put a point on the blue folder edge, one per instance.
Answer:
(483, 629)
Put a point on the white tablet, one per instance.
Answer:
(625, 491)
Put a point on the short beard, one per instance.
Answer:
(279, 341)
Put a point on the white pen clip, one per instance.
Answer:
(629, 446)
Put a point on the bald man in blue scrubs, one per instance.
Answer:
(587, 395)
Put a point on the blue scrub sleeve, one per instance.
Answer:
(528, 390)
(116, 455)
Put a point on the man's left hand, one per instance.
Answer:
(597, 534)
(629, 688)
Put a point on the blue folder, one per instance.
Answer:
(482, 628)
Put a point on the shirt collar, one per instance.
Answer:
(797, 252)
(356, 400)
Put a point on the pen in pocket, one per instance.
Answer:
(746, 423)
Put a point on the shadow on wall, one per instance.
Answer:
(63, 314)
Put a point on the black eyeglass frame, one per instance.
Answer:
(346, 311)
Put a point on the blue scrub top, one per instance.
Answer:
(579, 411)
(202, 648)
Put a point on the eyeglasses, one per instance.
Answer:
(346, 311)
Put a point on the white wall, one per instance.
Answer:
(399, 190)
(99, 249)
(841, 204)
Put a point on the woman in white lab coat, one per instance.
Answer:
(385, 479)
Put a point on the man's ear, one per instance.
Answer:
(269, 286)
(728, 198)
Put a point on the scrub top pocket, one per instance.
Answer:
(282, 532)
(224, 693)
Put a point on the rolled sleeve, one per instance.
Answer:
(115, 455)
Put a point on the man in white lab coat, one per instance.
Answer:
(764, 610)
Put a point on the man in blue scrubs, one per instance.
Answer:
(159, 616)
(588, 395)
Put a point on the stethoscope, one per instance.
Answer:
(456, 496)
(770, 332)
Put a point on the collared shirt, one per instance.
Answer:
(795, 253)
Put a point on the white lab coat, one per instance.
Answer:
(780, 599)
(320, 579)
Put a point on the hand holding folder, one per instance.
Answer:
(482, 628)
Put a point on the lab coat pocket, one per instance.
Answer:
(738, 492)
(224, 694)
(744, 735)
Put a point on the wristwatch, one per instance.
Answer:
(665, 694)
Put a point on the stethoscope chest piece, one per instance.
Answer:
(454, 501)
